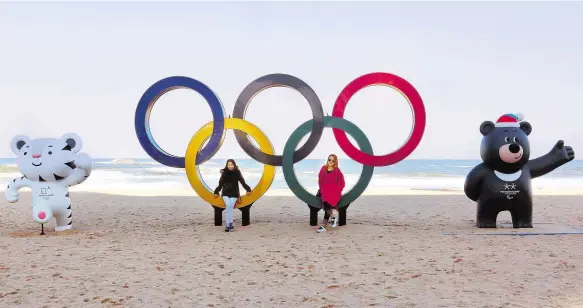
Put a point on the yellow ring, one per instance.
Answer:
(193, 173)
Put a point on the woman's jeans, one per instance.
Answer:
(229, 205)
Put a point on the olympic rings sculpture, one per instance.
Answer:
(214, 131)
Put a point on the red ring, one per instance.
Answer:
(410, 94)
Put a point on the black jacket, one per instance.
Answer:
(229, 183)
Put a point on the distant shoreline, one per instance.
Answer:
(318, 158)
(146, 177)
(288, 193)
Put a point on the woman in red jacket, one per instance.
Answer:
(331, 183)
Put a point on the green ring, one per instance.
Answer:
(288, 165)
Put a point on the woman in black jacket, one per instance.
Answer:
(229, 184)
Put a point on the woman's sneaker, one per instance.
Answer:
(230, 228)
(334, 223)
(321, 229)
(335, 219)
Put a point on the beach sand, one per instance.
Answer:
(128, 251)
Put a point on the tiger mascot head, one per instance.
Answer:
(46, 159)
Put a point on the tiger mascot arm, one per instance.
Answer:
(12, 194)
(83, 169)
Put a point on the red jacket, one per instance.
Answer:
(331, 185)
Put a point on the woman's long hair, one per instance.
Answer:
(227, 164)
(335, 161)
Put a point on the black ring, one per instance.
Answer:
(279, 80)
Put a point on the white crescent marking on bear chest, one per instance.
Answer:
(508, 177)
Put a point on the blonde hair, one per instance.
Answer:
(335, 160)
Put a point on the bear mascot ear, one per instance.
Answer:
(525, 126)
(72, 142)
(18, 142)
(486, 127)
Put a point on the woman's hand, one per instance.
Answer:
(216, 196)
(248, 193)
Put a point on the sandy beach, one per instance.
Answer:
(129, 251)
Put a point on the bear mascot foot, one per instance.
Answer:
(522, 224)
(486, 224)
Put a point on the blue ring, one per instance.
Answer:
(142, 120)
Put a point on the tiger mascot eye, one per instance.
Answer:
(49, 166)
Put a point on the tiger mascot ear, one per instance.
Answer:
(72, 142)
(18, 142)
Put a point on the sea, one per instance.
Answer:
(410, 174)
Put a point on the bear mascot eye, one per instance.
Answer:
(514, 139)
(506, 139)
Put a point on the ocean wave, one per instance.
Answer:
(9, 168)
(147, 174)
(124, 161)
(104, 180)
(418, 183)
(9, 176)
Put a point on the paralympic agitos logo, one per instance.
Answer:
(265, 154)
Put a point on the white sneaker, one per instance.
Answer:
(321, 229)
(335, 222)
(335, 219)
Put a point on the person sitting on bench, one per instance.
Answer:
(331, 184)
(229, 184)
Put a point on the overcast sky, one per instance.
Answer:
(82, 67)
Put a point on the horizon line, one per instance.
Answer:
(249, 158)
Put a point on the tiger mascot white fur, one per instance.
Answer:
(49, 166)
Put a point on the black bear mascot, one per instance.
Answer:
(502, 181)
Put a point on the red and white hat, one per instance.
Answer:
(509, 120)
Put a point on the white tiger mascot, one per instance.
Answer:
(49, 166)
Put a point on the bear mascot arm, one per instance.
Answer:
(474, 181)
(558, 156)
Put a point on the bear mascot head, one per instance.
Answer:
(505, 145)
